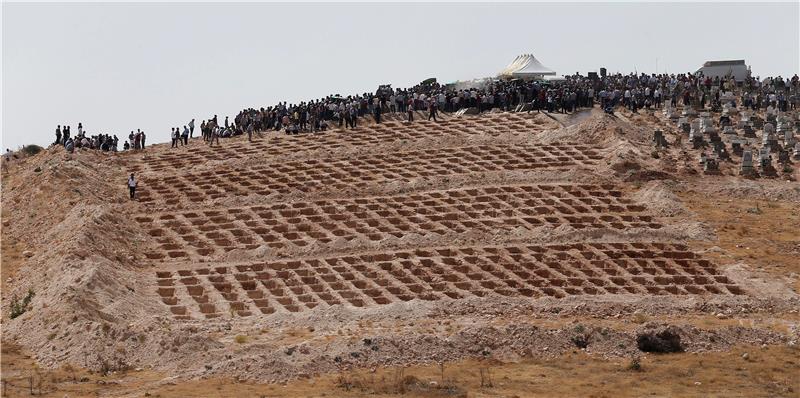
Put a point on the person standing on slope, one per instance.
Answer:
(132, 186)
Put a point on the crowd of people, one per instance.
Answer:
(102, 142)
(632, 91)
(567, 95)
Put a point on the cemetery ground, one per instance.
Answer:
(762, 372)
(763, 233)
(505, 254)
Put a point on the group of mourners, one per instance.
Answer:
(182, 138)
(572, 93)
(632, 91)
(102, 142)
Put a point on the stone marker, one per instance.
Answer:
(768, 137)
(783, 157)
(720, 150)
(788, 139)
(659, 140)
(747, 163)
(711, 166)
(749, 130)
(765, 161)
(736, 148)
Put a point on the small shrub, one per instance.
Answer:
(755, 210)
(19, 307)
(581, 341)
(31, 150)
(635, 364)
(240, 339)
(665, 341)
(639, 317)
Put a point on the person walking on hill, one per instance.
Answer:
(58, 135)
(214, 136)
(432, 110)
(143, 137)
(132, 186)
(410, 108)
(191, 128)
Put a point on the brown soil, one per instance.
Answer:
(766, 372)
(544, 246)
(764, 234)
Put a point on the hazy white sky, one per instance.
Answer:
(119, 67)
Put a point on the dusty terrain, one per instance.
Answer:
(533, 250)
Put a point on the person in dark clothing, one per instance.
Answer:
(58, 135)
(432, 111)
(185, 135)
(347, 120)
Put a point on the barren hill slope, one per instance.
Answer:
(391, 244)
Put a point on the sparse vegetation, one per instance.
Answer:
(635, 365)
(581, 341)
(755, 210)
(665, 341)
(400, 383)
(240, 339)
(640, 318)
(30, 150)
(19, 307)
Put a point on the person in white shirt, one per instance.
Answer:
(174, 136)
(132, 186)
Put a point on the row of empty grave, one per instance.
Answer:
(354, 223)
(359, 173)
(362, 137)
(324, 213)
(439, 274)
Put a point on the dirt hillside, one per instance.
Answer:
(503, 236)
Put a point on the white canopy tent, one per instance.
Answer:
(526, 66)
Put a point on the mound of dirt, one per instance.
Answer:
(658, 197)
